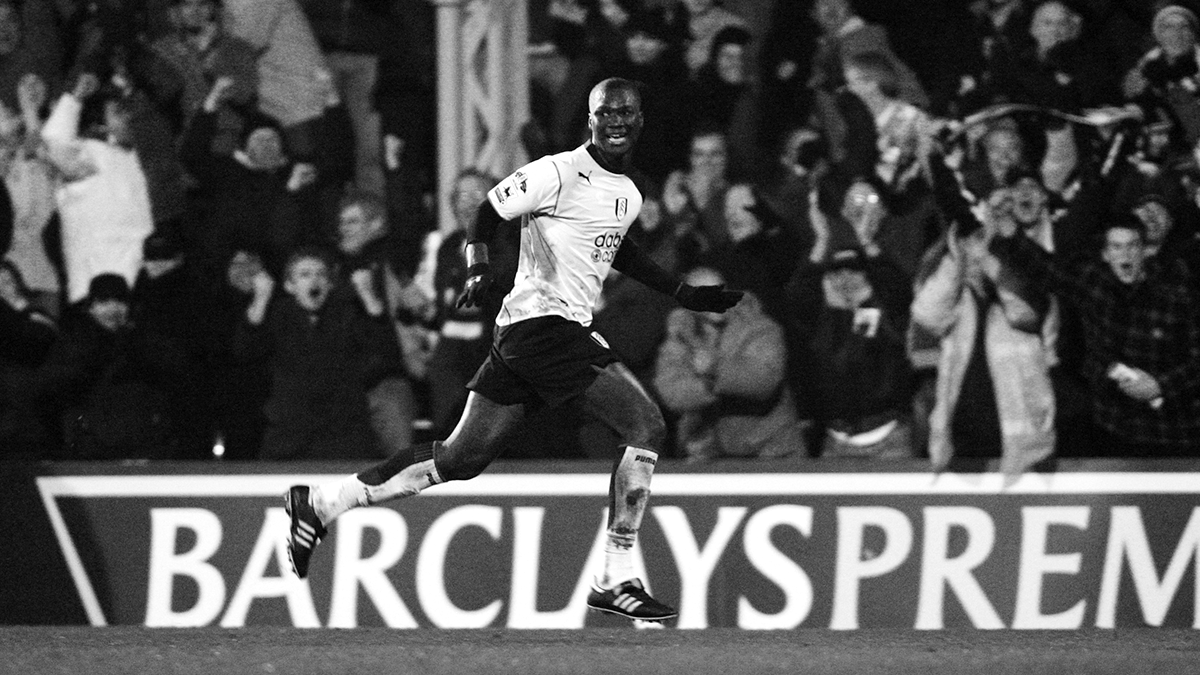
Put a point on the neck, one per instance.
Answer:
(609, 163)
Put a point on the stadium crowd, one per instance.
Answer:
(978, 239)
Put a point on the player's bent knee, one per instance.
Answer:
(649, 432)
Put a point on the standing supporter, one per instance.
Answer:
(720, 375)
(30, 183)
(294, 82)
(320, 343)
(464, 333)
(849, 314)
(705, 20)
(167, 297)
(901, 129)
(785, 61)
(1058, 67)
(29, 45)
(693, 199)
(845, 34)
(109, 381)
(190, 58)
(235, 390)
(725, 96)
(654, 56)
(254, 198)
(26, 337)
(374, 257)
(994, 396)
(353, 35)
(103, 198)
(1141, 328)
(1167, 77)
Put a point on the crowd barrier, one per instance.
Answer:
(758, 545)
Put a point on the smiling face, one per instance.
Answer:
(1125, 252)
(615, 119)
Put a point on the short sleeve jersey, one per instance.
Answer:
(574, 216)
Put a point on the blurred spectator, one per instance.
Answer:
(294, 82)
(464, 333)
(189, 60)
(30, 186)
(654, 56)
(29, 45)
(318, 343)
(1167, 77)
(353, 35)
(845, 34)
(705, 19)
(372, 261)
(26, 337)
(901, 129)
(1057, 67)
(994, 396)
(725, 96)
(1142, 336)
(761, 249)
(785, 61)
(103, 198)
(1002, 149)
(850, 314)
(235, 390)
(693, 199)
(720, 374)
(166, 299)
(110, 380)
(1000, 29)
(257, 198)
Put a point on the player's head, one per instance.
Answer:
(615, 117)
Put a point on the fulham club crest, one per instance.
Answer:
(622, 207)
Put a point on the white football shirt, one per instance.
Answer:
(574, 215)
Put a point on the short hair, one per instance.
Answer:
(371, 203)
(879, 69)
(633, 86)
(1123, 221)
(307, 252)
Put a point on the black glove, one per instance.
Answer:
(479, 282)
(707, 298)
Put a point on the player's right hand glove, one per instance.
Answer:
(707, 298)
(479, 281)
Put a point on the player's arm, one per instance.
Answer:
(633, 262)
(479, 269)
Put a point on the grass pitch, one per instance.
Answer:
(608, 651)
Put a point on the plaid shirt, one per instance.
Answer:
(1153, 325)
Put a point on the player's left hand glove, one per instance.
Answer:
(479, 281)
(707, 298)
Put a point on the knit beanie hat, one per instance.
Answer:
(1171, 11)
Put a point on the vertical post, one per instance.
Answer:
(449, 103)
